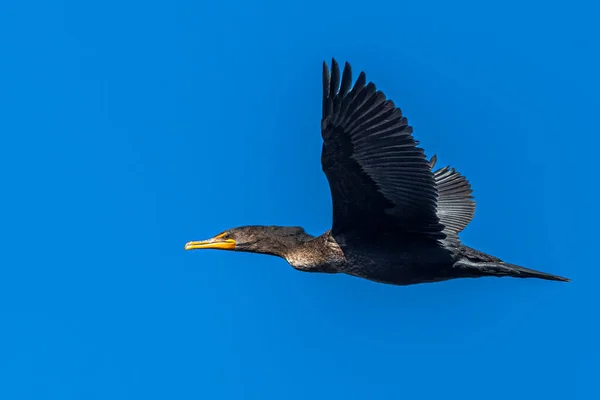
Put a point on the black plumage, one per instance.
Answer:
(395, 220)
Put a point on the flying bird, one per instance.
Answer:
(395, 220)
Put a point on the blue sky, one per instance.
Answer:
(131, 128)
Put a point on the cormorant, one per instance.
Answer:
(395, 221)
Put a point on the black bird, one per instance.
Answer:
(395, 221)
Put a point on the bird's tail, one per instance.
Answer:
(499, 269)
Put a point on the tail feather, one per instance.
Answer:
(522, 272)
(499, 269)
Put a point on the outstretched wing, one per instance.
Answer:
(379, 179)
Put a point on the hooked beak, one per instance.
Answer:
(214, 243)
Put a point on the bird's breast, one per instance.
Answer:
(320, 255)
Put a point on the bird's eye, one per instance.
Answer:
(226, 235)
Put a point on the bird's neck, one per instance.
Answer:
(303, 252)
(279, 246)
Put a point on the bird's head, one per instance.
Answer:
(230, 239)
(256, 239)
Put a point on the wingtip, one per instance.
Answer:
(326, 79)
(334, 63)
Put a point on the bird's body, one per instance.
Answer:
(395, 220)
(390, 258)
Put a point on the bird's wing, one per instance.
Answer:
(379, 179)
(455, 204)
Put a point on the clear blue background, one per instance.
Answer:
(130, 128)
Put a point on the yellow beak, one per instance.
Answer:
(214, 243)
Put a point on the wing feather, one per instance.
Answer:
(456, 205)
